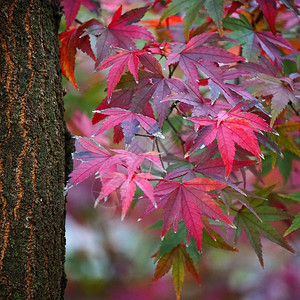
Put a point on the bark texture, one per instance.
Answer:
(32, 152)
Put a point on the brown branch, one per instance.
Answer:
(171, 71)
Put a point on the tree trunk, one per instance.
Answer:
(32, 152)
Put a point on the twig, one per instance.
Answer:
(293, 108)
(171, 72)
(181, 112)
(153, 144)
(143, 135)
(158, 150)
(182, 142)
(78, 22)
(164, 148)
(153, 148)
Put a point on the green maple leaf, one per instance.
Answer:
(178, 259)
(282, 90)
(253, 41)
(296, 222)
(295, 225)
(190, 7)
(178, 273)
(244, 34)
(254, 228)
(218, 242)
(215, 9)
(172, 240)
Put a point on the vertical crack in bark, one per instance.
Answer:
(30, 253)
(10, 19)
(10, 91)
(11, 67)
(4, 222)
(30, 259)
(22, 113)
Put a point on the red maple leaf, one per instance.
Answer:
(269, 10)
(93, 160)
(196, 55)
(158, 48)
(127, 185)
(130, 58)
(209, 166)
(119, 32)
(281, 89)
(133, 161)
(96, 160)
(188, 201)
(70, 41)
(71, 8)
(233, 93)
(130, 122)
(267, 41)
(201, 105)
(229, 128)
(155, 85)
(129, 178)
(122, 99)
(215, 168)
(152, 83)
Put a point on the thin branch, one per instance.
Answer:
(78, 22)
(293, 108)
(164, 149)
(144, 135)
(182, 142)
(171, 72)
(181, 112)
(153, 148)
(158, 150)
(153, 144)
(62, 9)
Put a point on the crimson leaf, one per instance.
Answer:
(130, 122)
(229, 128)
(188, 201)
(119, 32)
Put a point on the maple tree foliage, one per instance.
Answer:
(212, 85)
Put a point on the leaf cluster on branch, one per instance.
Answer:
(214, 86)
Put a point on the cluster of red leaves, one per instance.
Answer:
(141, 99)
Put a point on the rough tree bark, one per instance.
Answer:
(32, 152)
